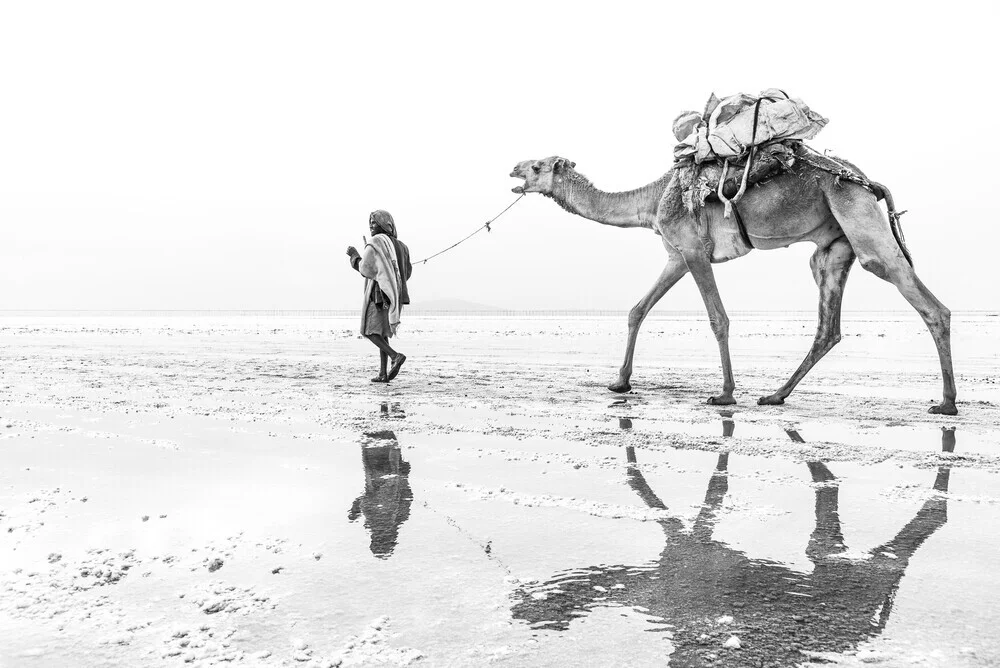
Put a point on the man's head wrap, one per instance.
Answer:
(385, 222)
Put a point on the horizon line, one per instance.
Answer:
(419, 311)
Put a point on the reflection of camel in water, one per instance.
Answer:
(776, 611)
(387, 498)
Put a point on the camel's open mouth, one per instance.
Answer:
(517, 189)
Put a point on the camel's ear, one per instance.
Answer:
(562, 162)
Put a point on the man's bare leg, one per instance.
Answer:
(387, 352)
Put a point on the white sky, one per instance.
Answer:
(224, 154)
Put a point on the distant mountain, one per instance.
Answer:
(450, 305)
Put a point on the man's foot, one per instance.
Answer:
(380, 379)
(397, 362)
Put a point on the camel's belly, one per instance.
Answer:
(778, 213)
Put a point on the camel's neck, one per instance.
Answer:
(633, 208)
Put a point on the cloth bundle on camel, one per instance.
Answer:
(757, 137)
(727, 128)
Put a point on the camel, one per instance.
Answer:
(841, 217)
(779, 613)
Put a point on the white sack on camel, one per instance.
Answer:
(726, 128)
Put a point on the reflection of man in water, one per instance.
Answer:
(707, 591)
(387, 498)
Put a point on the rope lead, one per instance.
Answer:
(485, 226)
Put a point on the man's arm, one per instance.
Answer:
(365, 264)
(355, 259)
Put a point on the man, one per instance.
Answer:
(386, 268)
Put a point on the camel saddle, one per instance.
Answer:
(740, 140)
(700, 182)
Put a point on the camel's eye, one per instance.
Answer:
(536, 169)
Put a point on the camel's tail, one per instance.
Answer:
(881, 192)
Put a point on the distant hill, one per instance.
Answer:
(450, 305)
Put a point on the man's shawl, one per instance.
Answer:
(380, 267)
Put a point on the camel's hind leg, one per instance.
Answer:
(673, 272)
(868, 231)
(830, 267)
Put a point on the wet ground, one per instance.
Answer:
(234, 491)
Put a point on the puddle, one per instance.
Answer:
(488, 548)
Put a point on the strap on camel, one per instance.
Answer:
(729, 203)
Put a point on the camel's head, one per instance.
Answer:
(540, 176)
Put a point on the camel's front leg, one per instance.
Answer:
(827, 539)
(830, 267)
(701, 268)
(718, 486)
(673, 272)
(670, 525)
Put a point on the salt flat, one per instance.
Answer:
(203, 490)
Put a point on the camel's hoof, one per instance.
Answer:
(620, 386)
(944, 409)
(721, 400)
(773, 400)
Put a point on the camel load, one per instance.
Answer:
(758, 136)
(730, 127)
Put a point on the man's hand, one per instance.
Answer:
(352, 251)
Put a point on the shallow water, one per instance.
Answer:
(486, 520)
